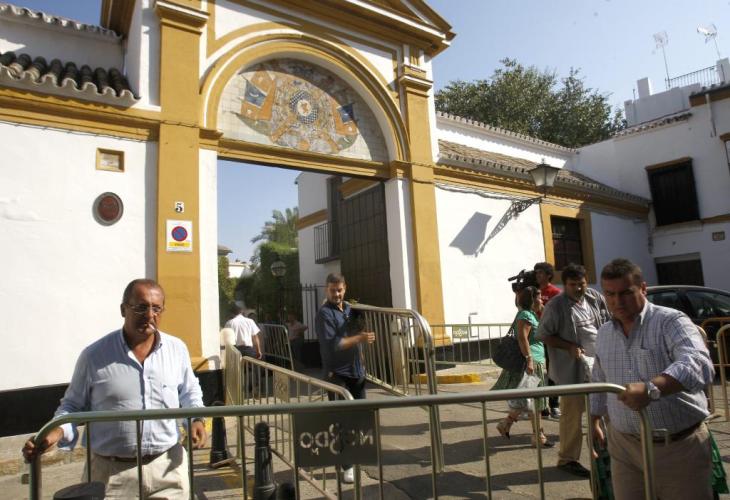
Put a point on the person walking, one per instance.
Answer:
(340, 345)
(525, 326)
(658, 354)
(568, 327)
(544, 273)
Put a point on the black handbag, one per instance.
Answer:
(507, 355)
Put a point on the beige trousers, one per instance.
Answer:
(571, 428)
(682, 469)
(166, 477)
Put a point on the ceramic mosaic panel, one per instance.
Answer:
(295, 104)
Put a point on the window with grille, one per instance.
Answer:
(673, 193)
(567, 243)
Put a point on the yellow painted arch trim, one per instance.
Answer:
(346, 65)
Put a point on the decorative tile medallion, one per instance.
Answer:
(295, 104)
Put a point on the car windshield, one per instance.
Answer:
(709, 304)
(668, 298)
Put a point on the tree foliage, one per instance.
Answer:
(282, 228)
(536, 103)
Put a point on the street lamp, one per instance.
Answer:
(543, 175)
(278, 270)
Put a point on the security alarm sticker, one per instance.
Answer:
(179, 236)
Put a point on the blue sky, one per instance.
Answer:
(609, 40)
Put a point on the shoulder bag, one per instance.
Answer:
(507, 355)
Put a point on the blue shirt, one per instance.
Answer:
(331, 326)
(662, 340)
(109, 377)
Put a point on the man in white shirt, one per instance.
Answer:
(247, 335)
(134, 368)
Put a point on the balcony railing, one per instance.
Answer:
(705, 77)
(326, 243)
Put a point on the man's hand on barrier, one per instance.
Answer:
(635, 396)
(368, 337)
(599, 438)
(198, 434)
(30, 450)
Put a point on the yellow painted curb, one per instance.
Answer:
(462, 378)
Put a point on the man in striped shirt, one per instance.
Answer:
(658, 354)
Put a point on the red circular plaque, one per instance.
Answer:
(108, 208)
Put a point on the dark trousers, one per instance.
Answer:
(356, 386)
(553, 401)
(253, 378)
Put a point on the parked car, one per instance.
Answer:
(697, 302)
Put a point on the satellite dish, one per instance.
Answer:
(709, 31)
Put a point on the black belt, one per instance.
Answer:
(678, 436)
(145, 458)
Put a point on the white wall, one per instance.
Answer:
(400, 246)
(208, 240)
(142, 58)
(312, 192)
(69, 271)
(697, 238)
(474, 273)
(614, 237)
(67, 44)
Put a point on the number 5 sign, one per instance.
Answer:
(179, 236)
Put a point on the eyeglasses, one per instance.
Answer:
(140, 309)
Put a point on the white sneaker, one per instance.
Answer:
(348, 475)
(555, 413)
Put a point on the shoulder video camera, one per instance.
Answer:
(523, 280)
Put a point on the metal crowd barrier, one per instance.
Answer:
(275, 343)
(253, 382)
(468, 343)
(403, 349)
(369, 439)
(722, 356)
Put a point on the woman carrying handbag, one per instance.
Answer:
(533, 375)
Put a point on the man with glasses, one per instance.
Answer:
(133, 368)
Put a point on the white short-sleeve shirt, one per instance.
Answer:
(245, 329)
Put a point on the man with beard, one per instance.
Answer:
(136, 367)
(340, 345)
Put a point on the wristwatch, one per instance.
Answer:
(652, 391)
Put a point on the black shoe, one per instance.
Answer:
(575, 468)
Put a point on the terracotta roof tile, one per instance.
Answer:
(496, 163)
(23, 13)
(66, 79)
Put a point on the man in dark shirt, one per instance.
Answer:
(340, 339)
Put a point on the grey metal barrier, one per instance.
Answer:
(255, 383)
(467, 343)
(309, 420)
(402, 351)
(275, 343)
(723, 362)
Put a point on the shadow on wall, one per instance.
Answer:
(470, 238)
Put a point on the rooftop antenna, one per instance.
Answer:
(662, 39)
(710, 33)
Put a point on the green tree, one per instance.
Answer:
(282, 228)
(535, 103)
(226, 287)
